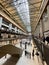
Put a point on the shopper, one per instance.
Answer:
(33, 53)
(47, 39)
(37, 54)
(20, 43)
(44, 39)
(25, 45)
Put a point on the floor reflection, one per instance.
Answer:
(11, 61)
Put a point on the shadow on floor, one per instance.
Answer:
(11, 61)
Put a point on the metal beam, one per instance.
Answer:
(44, 5)
(12, 10)
(13, 2)
(12, 19)
(35, 3)
(34, 10)
(34, 7)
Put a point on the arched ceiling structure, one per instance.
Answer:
(25, 13)
(36, 9)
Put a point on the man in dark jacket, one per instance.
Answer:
(47, 39)
(44, 39)
(25, 45)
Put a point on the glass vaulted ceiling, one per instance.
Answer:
(23, 10)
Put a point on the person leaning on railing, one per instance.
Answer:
(44, 39)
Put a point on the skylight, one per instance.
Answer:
(23, 10)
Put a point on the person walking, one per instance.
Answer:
(21, 44)
(33, 54)
(25, 45)
(37, 54)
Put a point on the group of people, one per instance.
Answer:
(33, 53)
(46, 39)
(25, 43)
(28, 53)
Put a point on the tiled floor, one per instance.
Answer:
(24, 60)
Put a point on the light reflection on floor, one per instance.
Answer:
(24, 60)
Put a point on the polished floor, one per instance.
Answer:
(23, 60)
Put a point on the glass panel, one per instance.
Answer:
(23, 10)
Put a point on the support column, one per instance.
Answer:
(0, 22)
(42, 27)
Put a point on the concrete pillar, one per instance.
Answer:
(41, 32)
(37, 31)
(42, 27)
(0, 22)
